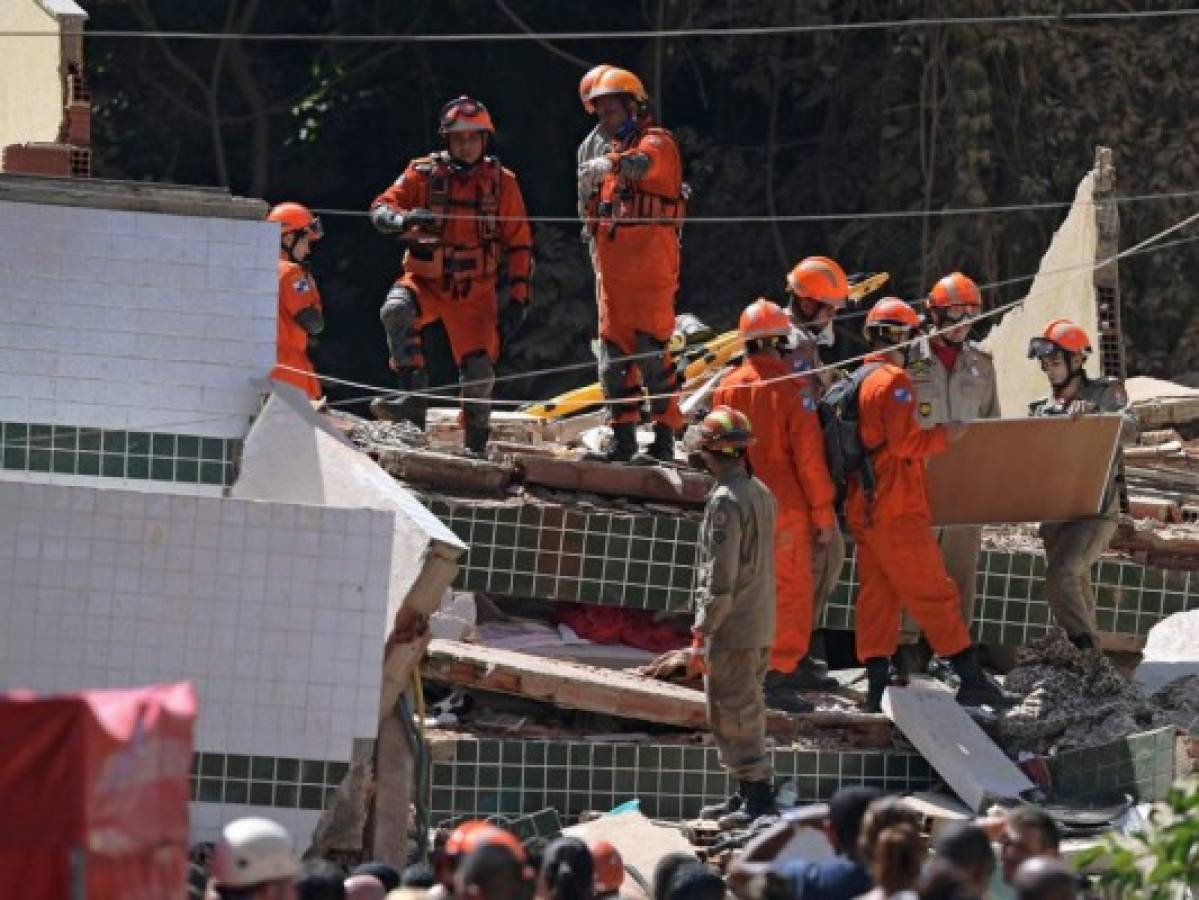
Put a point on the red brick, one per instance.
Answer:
(37, 159)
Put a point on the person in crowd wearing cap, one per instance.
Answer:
(319, 879)
(494, 868)
(254, 860)
(567, 871)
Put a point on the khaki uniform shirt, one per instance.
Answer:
(1099, 395)
(735, 604)
(970, 391)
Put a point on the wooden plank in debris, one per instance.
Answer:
(961, 753)
(616, 693)
(444, 470)
(664, 483)
(1049, 469)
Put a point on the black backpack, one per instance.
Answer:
(844, 452)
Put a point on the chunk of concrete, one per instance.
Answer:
(1171, 652)
(293, 454)
(970, 762)
(639, 841)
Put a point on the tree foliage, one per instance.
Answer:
(916, 119)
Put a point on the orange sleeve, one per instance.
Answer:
(807, 455)
(516, 235)
(665, 174)
(297, 292)
(408, 192)
(905, 439)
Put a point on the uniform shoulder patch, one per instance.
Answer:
(302, 285)
(903, 394)
(926, 408)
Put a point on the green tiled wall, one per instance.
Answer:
(555, 552)
(1141, 765)
(280, 782)
(647, 561)
(141, 455)
(483, 777)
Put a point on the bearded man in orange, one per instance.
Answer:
(635, 213)
(461, 214)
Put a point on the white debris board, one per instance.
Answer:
(970, 762)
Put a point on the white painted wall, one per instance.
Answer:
(138, 320)
(274, 611)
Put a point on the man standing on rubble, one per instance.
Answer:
(788, 455)
(459, 211)
(735, 614)
(899, 563)
(634, 215)
(817, 289)
(300, 316)
(954, 379)
(1071, 548)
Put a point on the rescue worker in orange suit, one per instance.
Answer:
(788, 456)
(300, 316)
(635, 215)
(459, 211)
(817, 289)
(954, 378)
(1072, 548)
(734, 615)
(898, 561)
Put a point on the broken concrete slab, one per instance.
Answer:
(293, 454)
(430, 468)
(938, 810)
(639, 841)
(954, 745)
(663, 483)
(614, 692)
(1171, 651)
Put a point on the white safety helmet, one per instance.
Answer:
(253, 851)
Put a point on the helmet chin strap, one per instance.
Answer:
(1078, 373)
(289, 247)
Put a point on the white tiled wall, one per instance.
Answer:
(274, 611)
(135, 320)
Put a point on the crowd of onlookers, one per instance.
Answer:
(880, 853)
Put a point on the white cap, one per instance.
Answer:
(253, 851)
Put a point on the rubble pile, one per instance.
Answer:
(369, 433)
(1178, 703)
(1072, 698)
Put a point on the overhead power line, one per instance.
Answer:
(646, 34)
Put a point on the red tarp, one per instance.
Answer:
(95, 784)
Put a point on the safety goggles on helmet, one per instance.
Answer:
(314, 229)
(465, 114)
(955, 312)
(891, 332)
(1041, 348)
(455, 109)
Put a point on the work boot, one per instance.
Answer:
(780, 695)
(978, 688)
(622, 448)
(759, 801)
(812, 675)
(725, 807)
(878, 679)
(403, 407)
(661, 450)
(475, 439)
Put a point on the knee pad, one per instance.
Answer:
(478, 375)
(399, 314)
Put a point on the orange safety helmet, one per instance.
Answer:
(726, 431)
(955, 289)
(617, 81)
(464, 114)
(763, 319)
(1059, 335)
(892, 312)
(609, 867)
(587, 82)
(296, 217)
(819, 278)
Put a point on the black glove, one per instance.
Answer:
(418, 218)
(512, 320)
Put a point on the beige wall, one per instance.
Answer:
(31, 87)
(1063, 288)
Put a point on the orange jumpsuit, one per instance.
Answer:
(297, 292)
(637, 264)
(788, 456)
(898, 561)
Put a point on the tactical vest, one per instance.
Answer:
(633, 206)
(451, 262)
